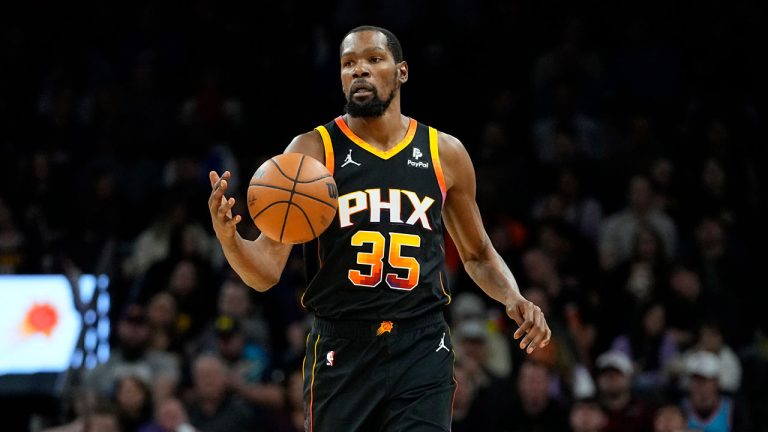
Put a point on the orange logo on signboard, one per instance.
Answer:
(40, 318)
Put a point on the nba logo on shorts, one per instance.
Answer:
(329, 358)
(417, 153)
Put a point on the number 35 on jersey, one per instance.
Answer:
(371, 200)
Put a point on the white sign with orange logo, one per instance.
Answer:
(39, 325)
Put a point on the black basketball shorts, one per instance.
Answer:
(379, 377)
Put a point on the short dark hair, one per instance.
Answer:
(392, 42)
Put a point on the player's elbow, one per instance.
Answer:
(262, 283)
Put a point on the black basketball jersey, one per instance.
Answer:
(383, 256)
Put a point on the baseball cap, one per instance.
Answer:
(468, 305)
(704, 364)
(226, 326)
(615, 359)
(472, 329)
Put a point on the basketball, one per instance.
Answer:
(292, 198)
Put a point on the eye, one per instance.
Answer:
(376, 59)
(347, 63)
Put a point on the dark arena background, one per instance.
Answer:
(620, 158)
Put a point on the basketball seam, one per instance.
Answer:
(314, 179)
(267, 208)
(281, 170)
(290, 199)
(288, 190)
(309, 222)
(297, 178)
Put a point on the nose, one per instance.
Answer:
(360, 71)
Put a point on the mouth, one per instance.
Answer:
(361, 89)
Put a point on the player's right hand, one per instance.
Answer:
(224, 224)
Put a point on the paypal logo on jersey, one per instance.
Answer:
(417, 163)
(370, 199)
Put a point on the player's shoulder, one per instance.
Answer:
(451, 148)
(309, 143)
(448, 142)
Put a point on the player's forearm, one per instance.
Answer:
(492, 275)
(259, 263)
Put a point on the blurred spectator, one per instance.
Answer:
(213, 407)
(651, 347)
(291, 417)
(626, 413)
(132, 355)
(476, 332)
(491, 350)
(710, 339)
(568, 352)
(664, 183)
(102, 420)
(587, 416)
(188, 285)
(685, 306)
(133, 401)
(619, 231)
(473, 409)
(534, 409)
(669, 418)
(570, 202)
(170, 416)
(705, 408)
(248, 364)
(171, 236)
(712, 195)
(162, 318)
(235, 300)
(724, 276)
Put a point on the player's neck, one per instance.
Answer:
(382, 132)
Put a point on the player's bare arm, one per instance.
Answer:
(260, 262)
(481, 261)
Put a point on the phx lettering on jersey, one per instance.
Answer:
(370, 199)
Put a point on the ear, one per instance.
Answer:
(403, 72)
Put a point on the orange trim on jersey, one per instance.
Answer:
(304, 362)
(312, 387)
(319, 258)
(456, 382)
(442, 287)
(433, 148)
(327, 147)
(380, 153)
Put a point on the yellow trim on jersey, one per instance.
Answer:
(380, 153)
(434, 149)
(312, 387)
(327, 146)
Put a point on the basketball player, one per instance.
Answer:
(379, 356)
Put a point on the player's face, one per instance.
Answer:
(370, 77)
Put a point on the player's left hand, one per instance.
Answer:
(532, 326)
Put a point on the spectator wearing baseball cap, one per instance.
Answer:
(625, 412)
(705, 407)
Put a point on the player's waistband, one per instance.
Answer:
(365, 329)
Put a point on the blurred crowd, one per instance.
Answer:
(617, 151)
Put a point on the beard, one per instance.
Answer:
(373, 107)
